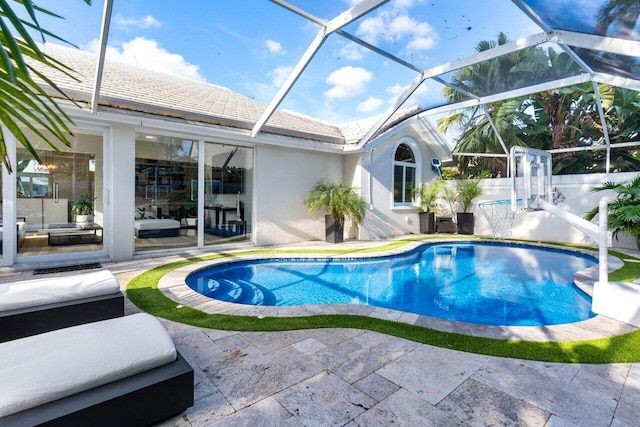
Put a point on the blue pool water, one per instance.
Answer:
(486, 283)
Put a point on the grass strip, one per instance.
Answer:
(143, 291)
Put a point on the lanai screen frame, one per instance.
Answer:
(566, 40)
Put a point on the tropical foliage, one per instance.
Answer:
(339, 200)
(83, 206)
(428, 194)
(23, 103)
(624, 210)
(560, 118)
(467, 190)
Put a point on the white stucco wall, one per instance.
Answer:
(383, 219)
(284, 177)
(544, 226)
(121, 192)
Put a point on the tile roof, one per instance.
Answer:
(135, 89)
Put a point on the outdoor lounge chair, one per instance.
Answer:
(35, 306)
(117, 372)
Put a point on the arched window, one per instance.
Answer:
(404, 175)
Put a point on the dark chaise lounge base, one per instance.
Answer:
(154, 234)
(139, 400)
(29, 321)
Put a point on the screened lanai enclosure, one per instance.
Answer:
(555, 75)
(371, 93)
(561, 76)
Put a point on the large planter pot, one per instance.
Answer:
(465, 222)
(84, 219)
(334, 232)
(427, 222)
(638, 241)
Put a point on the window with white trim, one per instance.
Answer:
(404, 175)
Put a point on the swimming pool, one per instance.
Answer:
(480, 282)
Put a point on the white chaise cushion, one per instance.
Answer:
(156, 224)
(29, 293)
(47, 367)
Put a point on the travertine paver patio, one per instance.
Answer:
(360, 378)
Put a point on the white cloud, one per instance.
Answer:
(371, 29)
(279, 75)
(418, 97)
(395, 90)
(369, 105)
(275, 47)
(352, 52)
(145, 53)
(421, 43)
(347, 81)
(142, 23)
(397, 26)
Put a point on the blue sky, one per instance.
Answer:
(252, 45)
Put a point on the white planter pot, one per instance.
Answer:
(84, 219)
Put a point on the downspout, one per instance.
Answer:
(371, 179)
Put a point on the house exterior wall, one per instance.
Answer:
(121, 192)
(284, 177)
(384, 219)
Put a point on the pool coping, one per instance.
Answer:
(173, 286)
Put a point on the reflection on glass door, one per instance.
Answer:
(59, 201)
(167, 191)
(228, 193)
(165, 203)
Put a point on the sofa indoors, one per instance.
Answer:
(21, 230)
(150, 224)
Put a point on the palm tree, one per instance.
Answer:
(513, 117)
(624, 211)
(619, 15)
(559, 118)
(23, 103)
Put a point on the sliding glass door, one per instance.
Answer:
(49, 195)
(165, 203)
(228, 193)
(168, 192)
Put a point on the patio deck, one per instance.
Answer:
(354, 377)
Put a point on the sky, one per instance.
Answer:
(251, 46)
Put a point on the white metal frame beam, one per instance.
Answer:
(104, 36)
(595, 42)
(434, 72)
(327, 29)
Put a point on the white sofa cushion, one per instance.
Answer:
(28, 293)
(47, 367)
(156, 224)
(145, 211)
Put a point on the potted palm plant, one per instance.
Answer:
(83, 209)
(428, 194)
(341, 202)
(466, 191)
(624, 210)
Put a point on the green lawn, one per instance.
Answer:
(143, 292)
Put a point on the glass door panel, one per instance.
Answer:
(165, 200)
(228, 193)
(47, 192)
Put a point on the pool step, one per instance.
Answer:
(240, 292)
